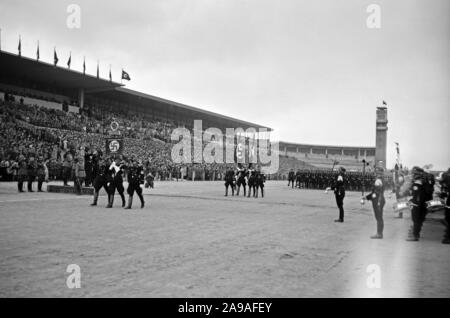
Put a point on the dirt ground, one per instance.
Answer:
(191, 241)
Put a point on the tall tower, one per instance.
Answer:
(381, 137)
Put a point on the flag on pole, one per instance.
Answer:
(70, 60)
(19, 48)
(84, 65)
(98, 69)
(55, 57)
(37, 52)
(110, 75)
(384, 103)
(125, 76)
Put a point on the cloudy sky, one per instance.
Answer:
(312, 70)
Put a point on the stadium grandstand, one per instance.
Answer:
(326, 157)
(52, 111)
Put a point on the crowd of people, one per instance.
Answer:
(59, 137)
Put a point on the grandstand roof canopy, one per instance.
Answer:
(23, 69)
(293, 144)
(196, 112)
(25, 72)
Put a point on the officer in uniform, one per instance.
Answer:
(291, 178)
(42, 173)
(88, 162)
(378, 202)
(31, 173)
(135, 179)
(445, 195)
(22, 173)
(241, 175)
(418, 202)
(260, 179)
(116, 171)
(229, 181)
(251, 181)
(102, 178)
(339, 192)
(298, 178)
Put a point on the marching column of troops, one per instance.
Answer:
(321, 179)
(242, 177)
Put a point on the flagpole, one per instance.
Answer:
(0, 39)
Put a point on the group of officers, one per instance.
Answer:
(416, 190)
(30, 170)
(109, 173)
(243, 176)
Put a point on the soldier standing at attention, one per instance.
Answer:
(291, 178)
(339, 193)
(80, 175)
(31, 173)
(419, 209)
(378, 202)
(42, 173)
(22, 173)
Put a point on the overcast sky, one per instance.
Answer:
(312, 70)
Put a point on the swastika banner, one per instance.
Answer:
(114, 146)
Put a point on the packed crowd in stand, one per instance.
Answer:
(60, 138)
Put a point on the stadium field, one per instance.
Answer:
(191, 241)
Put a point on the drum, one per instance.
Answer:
(401, 206)
(435, 205)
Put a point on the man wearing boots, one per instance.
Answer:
(100, 181)
(31, 173)
(135, 178)
(22, 173)
(241, 174)
(339, 193)
(42, 173)
(378, 202)
(117, 171)
(229, 181)
(260, 180)
(291, 178)
(418, 202)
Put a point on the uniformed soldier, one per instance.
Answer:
(135, 179)
(378, 202)
(88, 162)
(291, 178)
(418, 202)
(102, 178)
(42, 173)
(338, 187)
(241, 175)
(229, 181)
(80, 175)
(444, 181)
(298, 179)
(260, 179)
(22, 173)
(251, 181)
(116, 171)
(31, 173)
